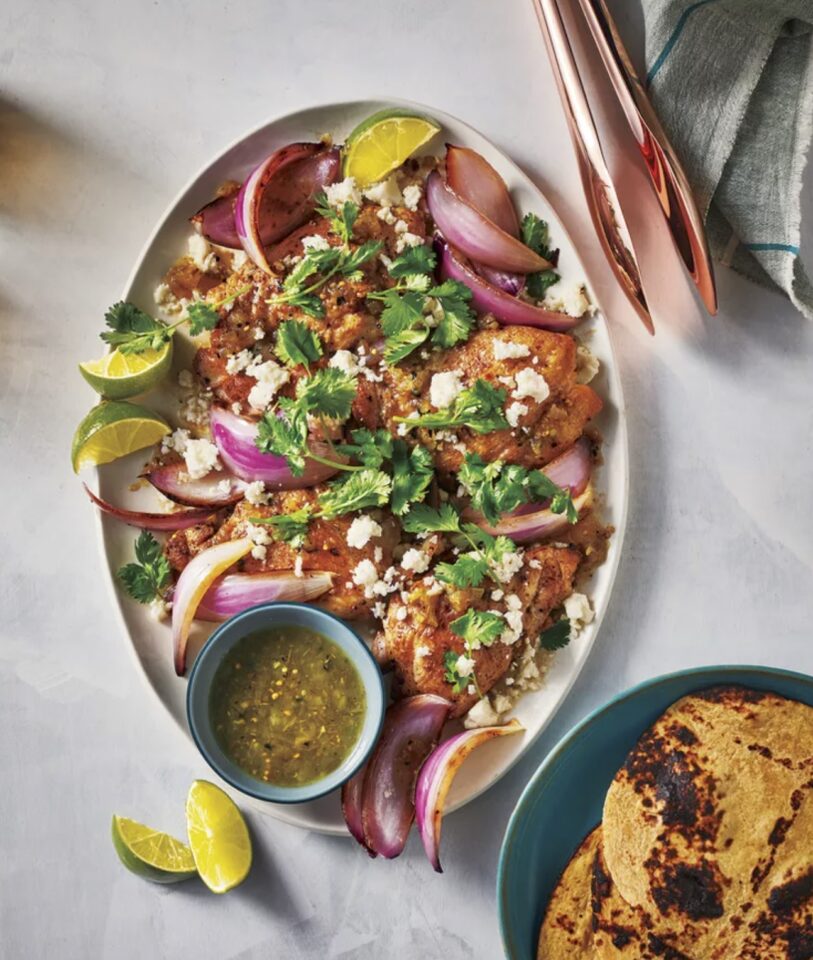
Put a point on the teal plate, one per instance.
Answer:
(564, 799)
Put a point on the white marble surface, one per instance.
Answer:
(105, 110)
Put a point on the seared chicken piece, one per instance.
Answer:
(249, 322)
(325, 548)
(415, 643)
(544, 428)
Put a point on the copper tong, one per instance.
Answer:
(668, 178)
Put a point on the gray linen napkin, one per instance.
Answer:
(732, 81)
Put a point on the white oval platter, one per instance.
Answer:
(150, 640)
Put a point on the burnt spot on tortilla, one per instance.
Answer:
(733, 696)
(693, 890)
(790, 896)
(660, 949)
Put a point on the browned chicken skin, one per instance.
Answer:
(417, 644)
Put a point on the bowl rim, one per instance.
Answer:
(565, 743)
(275, 609)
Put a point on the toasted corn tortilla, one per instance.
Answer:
(566, 931)
(709, 817)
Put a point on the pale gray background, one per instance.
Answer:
(106, 109)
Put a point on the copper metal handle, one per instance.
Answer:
(602, 199)
(668, 177)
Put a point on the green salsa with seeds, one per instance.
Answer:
(287, 705)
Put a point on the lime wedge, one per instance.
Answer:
(218, 836)
(383, 141)
(118, 375)
(112, 430)
(150, 854)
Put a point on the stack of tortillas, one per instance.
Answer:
(705, 850)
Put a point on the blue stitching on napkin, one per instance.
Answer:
(785, 247)
(670, 43)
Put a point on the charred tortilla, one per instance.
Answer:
(708, 827)
(567, 928)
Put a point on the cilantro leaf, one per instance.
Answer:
(371, 448)
(329, 393)
(145, 579)
(469, 570)
(202, 316)
(458, 319)
(284, 432)
(132, 330)
(401, 345)
(424, 519)
(401, 310)
(342, 221)
(358, 491)
(296, 344)
(291, 528)
(451, 675)
(412, 473)
(537, 283)
(479, 407)
(536, 236)
(556, 636)
(478, 627)
(413, 260)
(360, 256)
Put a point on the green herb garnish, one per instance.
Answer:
(417, 310)
(451, 675)
(296, 344)
(134, 331)
(479, 407)
(556, 636)
(146, 579)
(478, 628)
(498, 488)
(536, 236)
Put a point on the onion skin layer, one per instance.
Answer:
(435, 780)
(205, 492)
(150, 521)
(235, 592)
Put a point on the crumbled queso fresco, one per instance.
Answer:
(444, 388)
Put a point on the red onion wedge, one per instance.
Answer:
(195, 579)
(216, 221)
(150, 521)
(209, 491)
(477, 236)
(436, 778)
(235, 438)
(489, 299)
(411, 729)
(236, 592)
(352, 791)
(278, 195)
(474, 180)
(572, 468)
(532, 522)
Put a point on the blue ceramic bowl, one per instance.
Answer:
(261, 618)
(564, 799)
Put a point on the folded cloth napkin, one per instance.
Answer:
(732, 81)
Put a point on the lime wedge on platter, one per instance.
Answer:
(112, 430)
(118, 375)
(382, 142)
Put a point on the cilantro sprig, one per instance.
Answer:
(536, 236)
(498, 488)
(296, 344)
(476, 628)
(146, 579)
(557, 636)
(485, 558)
(134, 331)
(417, 310)
(479, 407)
(299, 288)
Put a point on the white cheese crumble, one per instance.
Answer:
(531, 384)
(200, 457)
(386, 193)
(482, 714)
(238, 362)
(508, 350)
(401, 613)
(346, 361)
(578, 611)
(407, 240)
(386, 214)
(298, 566)
(177, 441)
(239, 259)
(362, 530)
(256, 493)
(587, 365)
(315, 242)
(444, 388)
(259, 333)
(465, 665)
(412, 196)
(365, 575)
(514, 412)
(260, 537)
(159, 609)
(510, 564)
(185, 379)
(568, 297)
(270, 377)
(422, 650)
(338, 194)
(415, 560)
(201, 253)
